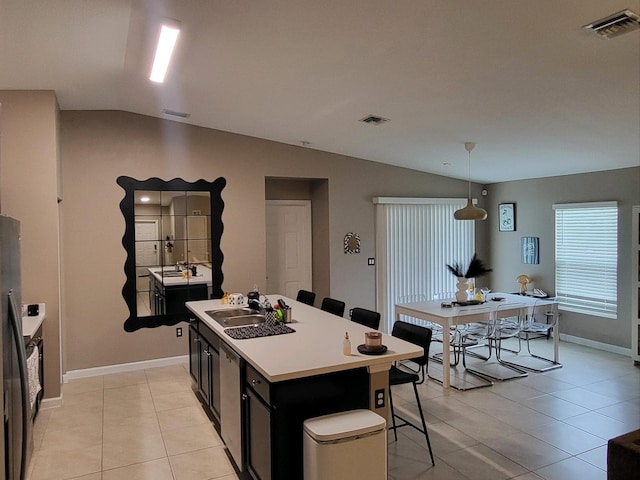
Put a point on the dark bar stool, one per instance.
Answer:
(306, 297)
(365, 317)
(400, 374)
(332, 306)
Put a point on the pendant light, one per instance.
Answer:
(470, 212)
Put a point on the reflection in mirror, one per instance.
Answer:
(172, 238)
(172, 235)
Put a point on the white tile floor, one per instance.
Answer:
(554, 426)
(129, 426)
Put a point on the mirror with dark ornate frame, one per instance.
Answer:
(172, 238)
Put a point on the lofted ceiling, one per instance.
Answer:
(538, 94)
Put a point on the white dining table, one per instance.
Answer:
(447, 317)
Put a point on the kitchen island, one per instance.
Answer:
(170, 288)
(282, 380)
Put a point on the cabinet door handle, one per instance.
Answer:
(196, 340)
(207, 352)
(255, 382)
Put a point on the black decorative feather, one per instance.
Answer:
(456, 269)
(476, 268)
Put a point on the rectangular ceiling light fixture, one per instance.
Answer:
(166, 43)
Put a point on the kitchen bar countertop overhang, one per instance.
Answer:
(314, 348)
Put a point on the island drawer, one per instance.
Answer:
(258, 383)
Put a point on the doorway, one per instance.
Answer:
(315, 191)
(289, 246)
(147, 255)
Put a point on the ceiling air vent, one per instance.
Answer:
(616, 24)
(374, 120)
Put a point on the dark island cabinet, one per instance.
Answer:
(170, 299)
(273, 413)
(257, 425)
(204, 367)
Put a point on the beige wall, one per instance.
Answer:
(97, 147)
(29, 192)
(535, 218)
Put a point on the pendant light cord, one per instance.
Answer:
(469, 173)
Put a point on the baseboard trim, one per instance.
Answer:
(50, 403)
(124, 367)
(597, 345)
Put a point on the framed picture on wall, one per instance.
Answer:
(507, 217)
(529, 250)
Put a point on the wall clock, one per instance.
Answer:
(507, 217)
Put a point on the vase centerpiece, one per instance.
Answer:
(462, 294)
(466, 278)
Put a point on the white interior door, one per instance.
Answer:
(147, 248)
(198, 250)
(288, 238)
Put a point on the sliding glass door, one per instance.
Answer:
(415, 240)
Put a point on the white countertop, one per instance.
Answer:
(315, 347)
(203, 276)
(30, 325)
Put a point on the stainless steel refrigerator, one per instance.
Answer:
(15, 433)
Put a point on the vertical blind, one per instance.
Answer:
(587, 257)
(415, 240)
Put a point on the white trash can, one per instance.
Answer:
(345, 446)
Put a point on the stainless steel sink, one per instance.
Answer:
(231, 312)
(236, 317)
(171, 273)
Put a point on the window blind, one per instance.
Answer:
(415, 240)
(587, 258)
